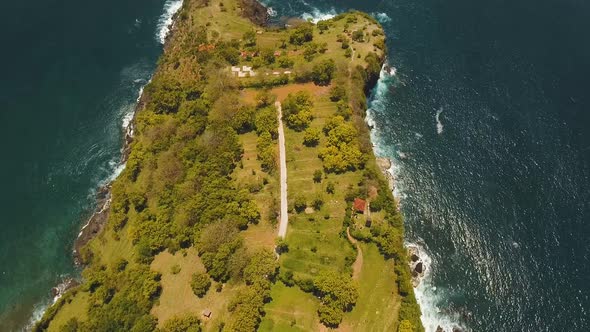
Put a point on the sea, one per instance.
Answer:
(484, 109)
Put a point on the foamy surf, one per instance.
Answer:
(428, 297)
(382, 17)
(165, 21)
(316, 15)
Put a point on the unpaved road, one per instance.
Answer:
(284, 216)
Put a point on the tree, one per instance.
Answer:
(285, 62)
(338, 294)
(358, 36)
(311, 137)
(330, 315)
(323, 26)
(263, 266)
(282, 246)
(182, 324)
(317, 176)
(297, 110)
(337, 93)
(302, 34)
(200, 284)
(333, 287)
(343, 109)
(264, 99)
(266, 120)
(323, 72)
(249, 38)
(309, 51)
(243, 119)
(268, 56)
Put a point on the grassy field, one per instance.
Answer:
(177, 297)
(290, 310)
(378, 304)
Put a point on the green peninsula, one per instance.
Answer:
(229, 218)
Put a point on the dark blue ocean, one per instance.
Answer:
(486, 115)
(71, 74)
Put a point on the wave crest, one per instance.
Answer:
(165, 21)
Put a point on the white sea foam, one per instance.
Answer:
(316, 15)
(382, 17)
(428, 297)
(439, 125)
(271, 12)
(166, 19)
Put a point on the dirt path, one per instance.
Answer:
(358, 263)
(283, 166)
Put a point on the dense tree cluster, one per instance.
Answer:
(338, 294)
(297, 110)
(342, 152)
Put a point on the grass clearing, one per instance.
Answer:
(378, 304)
(177, 297)
(290, 310)
(75, 308)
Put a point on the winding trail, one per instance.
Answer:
(357, 266)
(284, 216)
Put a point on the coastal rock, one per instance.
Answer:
(419, 268)
(439, 329)
(414, 257)
(255, 12)
(59, 290)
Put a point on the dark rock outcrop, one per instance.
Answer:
(255, 12)
(419, 268)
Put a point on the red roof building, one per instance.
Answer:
(359, 205)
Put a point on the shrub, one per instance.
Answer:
(175, 269)
(358, 36)
(300, 203)
(318, 202)
(330, 188)
(317, 176)
(337, 93)
(282, 246)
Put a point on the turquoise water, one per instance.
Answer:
(71, 73)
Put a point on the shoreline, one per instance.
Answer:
(98, 219)
(419, 261)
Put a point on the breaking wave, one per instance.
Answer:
(166, 21)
